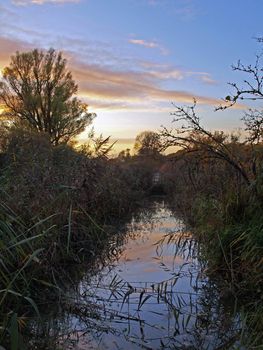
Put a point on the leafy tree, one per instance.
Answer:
(37, 92)
(148, 143)
(124, 154)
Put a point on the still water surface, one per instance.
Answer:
(154, 293)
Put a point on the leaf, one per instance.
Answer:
(32, 257)
(31, 301)
(33, 304)
(69, 227)
(14, 336)
(25, 241)
(45, 283)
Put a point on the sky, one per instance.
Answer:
(134, 60)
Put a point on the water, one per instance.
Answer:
(154, 294)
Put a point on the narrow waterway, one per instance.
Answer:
(154, 293)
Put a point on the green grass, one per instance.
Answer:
(32, 258)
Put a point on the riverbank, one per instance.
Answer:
(152, 293)
(59, 207)
(60, 212)
(230, 237)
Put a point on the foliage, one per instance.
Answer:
(37, 92)
(124, 154)
(217, 184)
(147, 143)
(59, 204)
(62, 175)
(191, 136)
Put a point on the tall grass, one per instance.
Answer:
(18, 255)
(34, 262)
(226, 216)
(56, 209)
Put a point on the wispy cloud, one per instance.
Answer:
(9, 47)
(203, 77)
(206, 78)
(168, 72)
(149, 45)
(42, 2)
(183, 9)
(5, 12)
(106, 87)
(141, 42)
(112, 87)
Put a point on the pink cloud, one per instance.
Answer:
(42, 2)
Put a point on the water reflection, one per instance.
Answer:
(153, 294)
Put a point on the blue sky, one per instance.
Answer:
(132, 58)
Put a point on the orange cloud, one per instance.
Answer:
(130, 89)
(8, 48)
(107, 87)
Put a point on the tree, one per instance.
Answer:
(192, 137)
(124, 154)
(148, 143)
(37, 92)
(250, 89)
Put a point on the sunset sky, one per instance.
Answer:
(133, 58)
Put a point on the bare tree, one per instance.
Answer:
(250, 89)
(191, 136)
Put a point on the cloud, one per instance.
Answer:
(141, 87)
(168, 72)
(206, 78)
(9, 47)
(5, 12)
(42, 2)
(182, 9)
(149, 45)
(113, 89)
(171, 74)
(203, 76)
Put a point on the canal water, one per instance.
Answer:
(153, 294)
